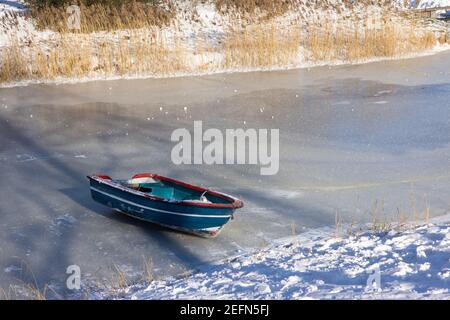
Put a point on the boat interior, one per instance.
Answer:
(171, 191)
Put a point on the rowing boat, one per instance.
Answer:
(165, 201)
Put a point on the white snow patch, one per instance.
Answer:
(286, 194)
(423, 4)
(12, 268)
(381, 102)
(314, 265)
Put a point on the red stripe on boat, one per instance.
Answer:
(143, 175)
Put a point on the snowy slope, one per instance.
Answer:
(193, 19)
(411, 264)
(199, 24)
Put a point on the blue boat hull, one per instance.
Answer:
(203, 221)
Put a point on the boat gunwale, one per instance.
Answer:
(235, 204)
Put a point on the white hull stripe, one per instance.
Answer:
(159, 210)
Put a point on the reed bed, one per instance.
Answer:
(266, 8)
(72, 57)
(325, 42)
(274, 8)
(388, 38)
(147, 52)
(261, 48)
(105, 16)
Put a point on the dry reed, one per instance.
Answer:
(71, 58)
(103, 17)
(331, 42)
(145, 52)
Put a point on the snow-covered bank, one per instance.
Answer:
(408, 264)
(204, 40)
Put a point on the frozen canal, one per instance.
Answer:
(353, 140)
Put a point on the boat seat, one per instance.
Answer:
(162, 192)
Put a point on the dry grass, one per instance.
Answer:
(27, 287)
(27, 291)
(351, 231)
(261, 47)
(265, 8)
(13, 63)
(330, 42)
(104, 17)
(294, 233)
(347, 41)
(35, 293)
(401, 217)
(145, 51)
(337, 223)
(72, 57)
(426, 211)
(381, 222)
(8, 294)
(120, 280)
(148, 275)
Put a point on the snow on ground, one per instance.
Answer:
(11, 5)
(195, 24)
(409, 264)
(423, 4)
(197, 20)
